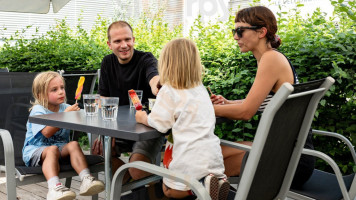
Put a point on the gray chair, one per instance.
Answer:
(15, 99)
(324, 185)
(71, 79)
(4, 69)
(274, 154)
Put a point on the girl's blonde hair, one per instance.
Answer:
(40, 88)
(179, 64)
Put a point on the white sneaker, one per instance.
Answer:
(60, 192)
(90, 186)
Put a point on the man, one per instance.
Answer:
(127, 68)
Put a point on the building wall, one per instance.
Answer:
(172, 10)
(85, 10)
(235, 5)
(175, 12)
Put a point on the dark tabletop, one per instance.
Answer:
(125, 127)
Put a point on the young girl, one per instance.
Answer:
(184, 106)
(45, 145)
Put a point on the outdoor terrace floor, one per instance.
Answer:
(39, 191)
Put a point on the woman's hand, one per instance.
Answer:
(218, 99)
(73, 107)
(141, 117)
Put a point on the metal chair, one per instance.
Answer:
(274, 154)
(15, 97)
(324, 185)
(4, 69)
(71, 78)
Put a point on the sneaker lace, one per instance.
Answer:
(91, 178)
(61, 188)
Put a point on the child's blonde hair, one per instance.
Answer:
(40, 88)
(179, 64)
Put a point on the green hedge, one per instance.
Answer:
(317, 47)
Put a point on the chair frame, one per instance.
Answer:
(92, 86)
(2, 70)
(96, 75)
(256, 150)
(14, 177)
(347, 194)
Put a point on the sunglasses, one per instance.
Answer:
(241, 29)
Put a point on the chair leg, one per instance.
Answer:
(68, 182)
(9, 164)
(11, 186)
(95, 197)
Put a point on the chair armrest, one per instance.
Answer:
(197, 187)
(333, 165)
(8, 148)
(235, 145)
(340, 137)
(9, 163)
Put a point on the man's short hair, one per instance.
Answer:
(119, 24)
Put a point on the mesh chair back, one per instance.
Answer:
(71, 80)
(15, 97)
(280, 150)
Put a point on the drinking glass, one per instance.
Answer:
(139, 94)
(91, 104)
(109, 107)
(151, 103)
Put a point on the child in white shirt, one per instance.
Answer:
(184, 105)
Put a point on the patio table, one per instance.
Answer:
(125, 127)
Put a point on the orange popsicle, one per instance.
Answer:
(135, 100)
(79, 90)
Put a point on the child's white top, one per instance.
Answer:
(190, 115)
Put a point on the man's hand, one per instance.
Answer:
(73, 107)
(97, 148)
(154, 85)
(141, 117)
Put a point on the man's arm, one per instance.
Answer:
(153, 83)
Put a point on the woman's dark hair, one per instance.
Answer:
(263, 17)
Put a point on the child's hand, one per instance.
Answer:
(73, 107)
(141, 117)
(218, 99)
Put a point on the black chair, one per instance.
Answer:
(324, 185)
(71, 79)
(15, 102)
(275, 152)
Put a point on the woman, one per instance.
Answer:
(255, 31)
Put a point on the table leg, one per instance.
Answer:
(108, 174)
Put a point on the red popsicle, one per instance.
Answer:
(135, 100)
